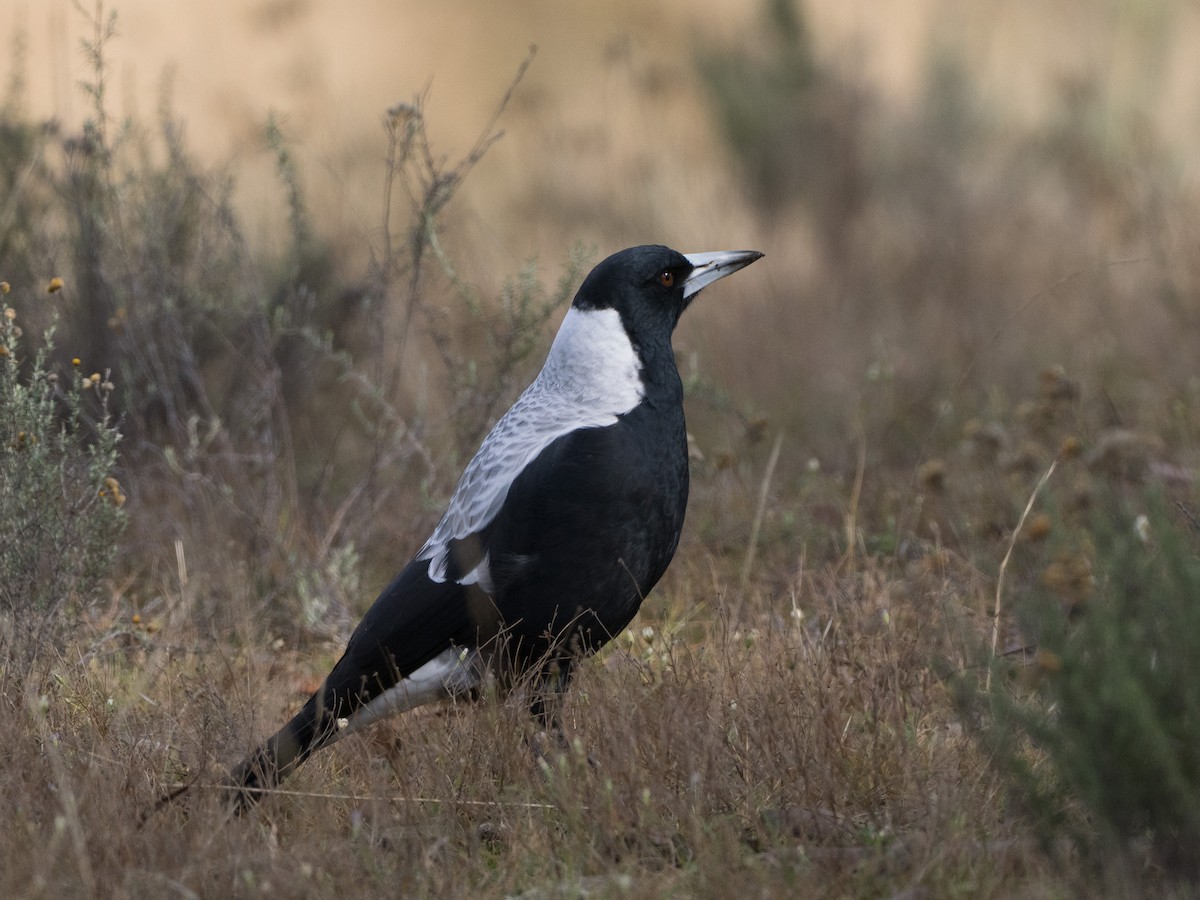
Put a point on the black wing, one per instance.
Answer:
(587, 530)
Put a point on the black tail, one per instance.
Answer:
(410, 623)
(270, 764)
(263, 769)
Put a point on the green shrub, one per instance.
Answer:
(60, 504)
(794, 123)
(1103, 743)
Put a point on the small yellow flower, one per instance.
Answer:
(55, 285)
(75, 361)
(5, 287)
(10, 313)
(113, 487)
(95, 379)
(3, 351)
(137, 620)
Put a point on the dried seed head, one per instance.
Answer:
(1070, 448)
(1037, 528)
(932, 475)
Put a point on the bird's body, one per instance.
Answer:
(561, 524)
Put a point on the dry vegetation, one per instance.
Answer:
(959, 304)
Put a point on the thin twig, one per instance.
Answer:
(437, 186)
(362, 798)
(488, 135)
(855, 495)
(1189, 515)
(1004, 567)
(763, 492)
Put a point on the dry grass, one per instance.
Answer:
(814, 753)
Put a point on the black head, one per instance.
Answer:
(650, 286)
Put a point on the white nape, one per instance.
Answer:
(592, 375)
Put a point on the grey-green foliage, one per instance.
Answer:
(772, 104)
(1106, 745)
(60, 504)
(515, 335)
(266, 403)
(795, 124)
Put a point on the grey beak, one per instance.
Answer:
(710, 267)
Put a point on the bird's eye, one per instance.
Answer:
(667, 278)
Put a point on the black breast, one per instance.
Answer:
(589, 528)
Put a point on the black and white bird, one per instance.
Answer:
(565, 519)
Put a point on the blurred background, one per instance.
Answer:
(971, 211)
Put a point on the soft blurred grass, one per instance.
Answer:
(960, 287)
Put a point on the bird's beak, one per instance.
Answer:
(709, 267)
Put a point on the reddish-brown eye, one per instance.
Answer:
(666, 279)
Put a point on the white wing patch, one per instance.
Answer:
(452, 673)
(481, 575)
(592, 375)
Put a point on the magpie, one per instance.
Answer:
(566, 517)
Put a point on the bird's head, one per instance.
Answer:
(651, 286)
